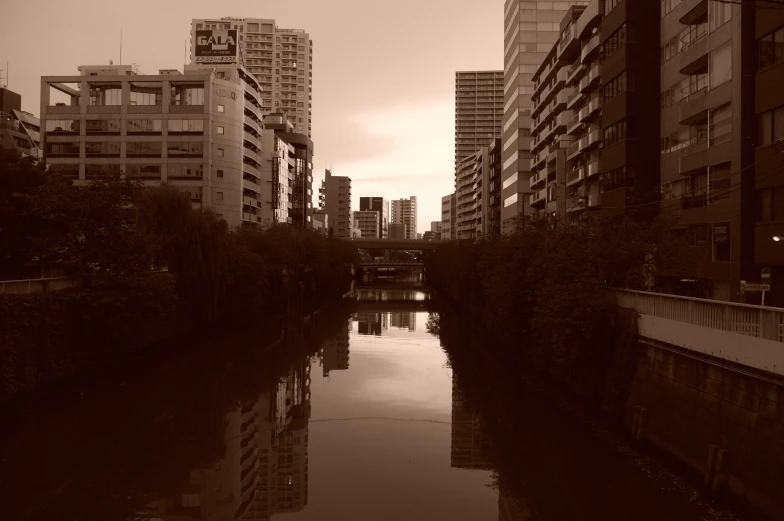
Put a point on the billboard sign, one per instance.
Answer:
(213, 46)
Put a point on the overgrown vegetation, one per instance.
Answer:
(117, 236)
(546, 291)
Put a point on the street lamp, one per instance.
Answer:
(778, 238)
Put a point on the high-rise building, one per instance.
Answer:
(380, 205)
(398, 231)
(495, 186)
(199, 131)
(19, 130)
(479, 110)
(449, 217)
(280, 59)
(473, 180)
(530, 30)
(335, 199)
(367, 222)
(295, 166)
(404, 211)
(435, 226)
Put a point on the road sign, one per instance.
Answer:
(764, 287)
(765, 276)
(752, 287)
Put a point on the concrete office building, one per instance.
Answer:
(398, 231)
(530, 30)
(380, 205)
(292, 161)
(479, 110)
(199, 131)
(19, 130)
(404, 211)
(335, 199)
(280, 59)
(449, 217)
(367, 222)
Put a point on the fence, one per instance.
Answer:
(742, 319)
(23, 287)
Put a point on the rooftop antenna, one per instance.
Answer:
(4, 78)
(121, 46)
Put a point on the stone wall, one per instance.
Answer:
(725, 422)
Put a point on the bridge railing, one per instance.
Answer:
(743, 319)
(23, 287)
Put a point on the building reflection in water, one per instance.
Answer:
(265, 467)
(468, 442)
(335, 351)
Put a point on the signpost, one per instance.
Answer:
(765, 282)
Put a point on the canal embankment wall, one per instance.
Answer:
(725, 421)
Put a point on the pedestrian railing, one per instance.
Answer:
(743, 319)
(23, 287)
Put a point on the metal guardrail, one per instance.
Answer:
(28, 286)
(742, 319)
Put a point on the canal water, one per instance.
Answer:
(382, 410)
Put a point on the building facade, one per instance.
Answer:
(479, 110)
(281, 60)
(449, 217)
(19, 130)
(530, 30)
(472, 192)
(398, 231)
(367, 222)
(335, 199)
(199, 131)
(380, 205)
(404, 211)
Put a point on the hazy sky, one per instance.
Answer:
(383, 72)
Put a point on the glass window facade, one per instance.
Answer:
(143, 149)
(102, 126)
(185, 148)
(62, 126)
(143, 126)
(187, 95)
(186, 125)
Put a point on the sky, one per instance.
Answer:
(383, 72)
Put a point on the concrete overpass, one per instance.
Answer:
(397, 244)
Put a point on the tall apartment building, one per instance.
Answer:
(368, 222)
(19, 130)
(199, 131)
(280, 59)
(335, 199)
(291, 162)
(473, 179)
(768, 178)
(594, 118)
(449, 217)
(380, 205)
(479, 110)
(404, 211)
(530, 30)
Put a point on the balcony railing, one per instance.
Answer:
(24, 287)
(689, 202)
(695, 90)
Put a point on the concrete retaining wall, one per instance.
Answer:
(724, 421)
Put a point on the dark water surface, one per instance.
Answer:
(361, 414)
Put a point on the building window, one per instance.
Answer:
(220, 174)
(105, 95)
(144, 171)
(615, 179)
(141, 94)
(62, 126)
(187, 95)
(770, 48)
(719, 13)
(143, 149)
(721, 242)
(143, 126)
(720, 125)
(770, 126)
(614, 42)
(220, 152)
(91, 171)
(219, 196)
(220, 130)
(609, 5)
(618, 85)
(509, 201)
(185, 148)
(615, 133)
(185, 171)
(186, 126)
(719, 182)
(666, 6)
(698, 235)
(221, 108)
(102, 126)
(721, 65)
(63, 149)
(102, 149)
